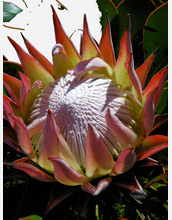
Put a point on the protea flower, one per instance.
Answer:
(85, 117)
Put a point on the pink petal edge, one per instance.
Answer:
(149, 112)
(98, 159)
(133, 76)
(89, 49)
(26, 165)
(49, 146)
(151, 145)
(38, 56)
(125, 161)
(123, 134)
(65, 174)
(143, 70)
(23, 136)
(102, 185)
(94, 63)
(63, 39)
(106, 45)
(26, 87)
(10, 139)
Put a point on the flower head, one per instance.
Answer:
(87, 116)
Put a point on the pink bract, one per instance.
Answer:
(87, 115)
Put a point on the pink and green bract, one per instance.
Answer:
(86, 116)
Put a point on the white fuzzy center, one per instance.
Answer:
(75, 103)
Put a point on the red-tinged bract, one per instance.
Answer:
(87, 115)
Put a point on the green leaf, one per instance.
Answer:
(4, 92)
(31, 217)
(117, 2)
(10, 10)
(97, 211)
(158, 2)
(163, 101)
(12, 68)
(140, 215)
(158, 185)
(138, 11)
(109, 6)
(156, 35)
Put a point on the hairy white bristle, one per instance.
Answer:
(77, 103)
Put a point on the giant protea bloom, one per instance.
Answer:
(87, 116)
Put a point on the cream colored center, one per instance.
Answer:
(75, 103)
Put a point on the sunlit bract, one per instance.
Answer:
(87, 115)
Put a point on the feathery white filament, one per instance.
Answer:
(76, 102)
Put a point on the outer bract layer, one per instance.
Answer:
(85, 116)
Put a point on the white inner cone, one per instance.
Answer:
(76, 102)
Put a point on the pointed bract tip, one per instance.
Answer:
(50, 112)
(10, 39)
(89, 126)
(58, 48)
(128, 23)
(107, 16)
(107, 20)
(85, 21)
(156, 50)
(12, 42)
(52, 8)
(92, 130)
(108, 110)
(23, 36)
(54, 12)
